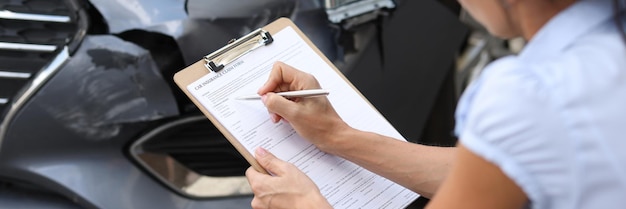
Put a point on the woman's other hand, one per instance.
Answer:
(287, 187)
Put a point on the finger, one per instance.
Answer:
(255, 178)
(257, 203)
(280, 105)
(258, 181)
(276, 77)
(273, 116)
(269, 162)
(253, 175)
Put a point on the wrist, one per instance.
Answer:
(340, 139)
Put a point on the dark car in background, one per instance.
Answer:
(90, 116)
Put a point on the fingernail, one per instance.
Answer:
(263, 98)
(260, 152)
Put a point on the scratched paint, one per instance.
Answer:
(108, 82)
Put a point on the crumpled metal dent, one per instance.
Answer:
(106, 83)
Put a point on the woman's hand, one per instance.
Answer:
(288, 187)
(313, 118)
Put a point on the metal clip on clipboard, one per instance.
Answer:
(227, 54)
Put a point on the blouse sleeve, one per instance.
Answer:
(507, 118)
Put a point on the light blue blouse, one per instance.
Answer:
(553, 118)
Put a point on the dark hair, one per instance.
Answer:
(619, 14)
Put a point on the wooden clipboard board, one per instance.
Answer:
(199, 69)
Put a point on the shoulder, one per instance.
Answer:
(510, 96)
(599, 54)
(509, 118)
(507, 88)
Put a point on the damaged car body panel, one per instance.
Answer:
(114, 82)
(97, 101)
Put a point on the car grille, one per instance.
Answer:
(200, 147)
(32, 34)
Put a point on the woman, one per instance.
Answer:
(542, 129)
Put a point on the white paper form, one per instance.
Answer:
(344, 184)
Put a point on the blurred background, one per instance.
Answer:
(91, 118)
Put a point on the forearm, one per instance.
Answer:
(417, 167)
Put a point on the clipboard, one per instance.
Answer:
(214, 63)
(343, 183)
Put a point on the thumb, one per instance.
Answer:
(279, 105)
(269, 162)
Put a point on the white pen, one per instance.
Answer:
(290, 94)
